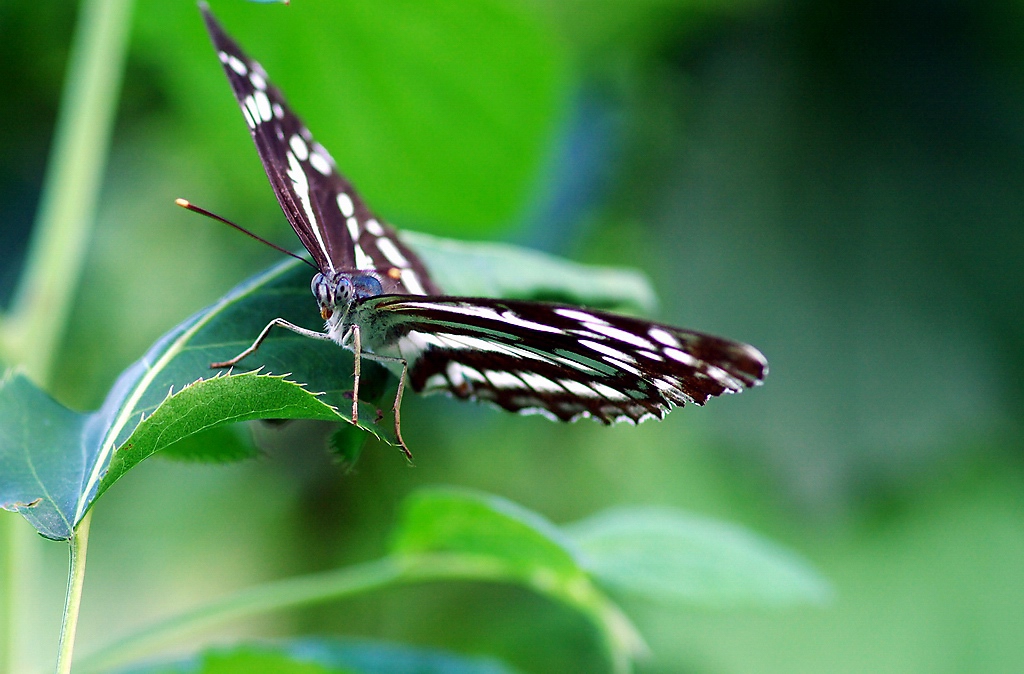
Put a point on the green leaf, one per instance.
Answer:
(669, 556)
(347, 443)
(484, 269)
(445, 535)
(220, 444)
(526, 547)
(474, 523)
(60, 461)
(463, 99)
(210, 403)
(326, 656)
(38, 438)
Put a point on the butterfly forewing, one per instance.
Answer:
(330, 218)
(564, 362)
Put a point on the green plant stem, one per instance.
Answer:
(73, 601)
(67, 208)
(32, 332)
(322, 587)
(8, 590)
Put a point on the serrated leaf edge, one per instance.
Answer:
(127, 408)
(226, 375)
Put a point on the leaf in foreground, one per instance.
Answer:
(665, 555)
(525, 548)
(470, 522)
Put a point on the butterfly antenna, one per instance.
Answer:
(184, 203)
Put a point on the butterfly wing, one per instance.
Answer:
(564, 362)
(328, 215)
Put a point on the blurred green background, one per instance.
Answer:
(840, 184)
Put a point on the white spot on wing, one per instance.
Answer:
(478, 344)
(472, 373)
(345, 205)
(410, 348)
(582, 367)
(250, 103)
(608, 351)
(373, 227)
(608, 392)
(320, 162)
(454, 372)
(662, 384)
(621, 335)
(579, 315)
(223, 56)
(503, 380)
(622, 366)
(301, 185)
(415, 343)
(391, 252)
(237, 65)
(248, 118)
(724, 378)
(663, 336)
(299, 147)
(363, 261)
(486, 312)
(435, 381)
(258, 81)
(539, 383)
(578, 389)
(263, 105)
(353, 228)
(514, 319)
(460, 343)
(586, 333)
(278, 110)
(753, 353)
(411, 281)
(528, 411)
(682, 357)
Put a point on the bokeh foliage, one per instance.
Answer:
(838, 184)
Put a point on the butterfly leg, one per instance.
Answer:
(398, 410)
(277, 322)
(397, 407)
(357, 349)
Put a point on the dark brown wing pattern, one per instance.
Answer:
(561, 361)
(330, 218)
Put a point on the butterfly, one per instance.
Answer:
(378, 300)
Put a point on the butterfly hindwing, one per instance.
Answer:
(328, 215)
(561, 361)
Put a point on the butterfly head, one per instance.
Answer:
(336, 291)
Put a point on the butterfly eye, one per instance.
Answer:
(343, 290)
(321, 290)
(367, 286)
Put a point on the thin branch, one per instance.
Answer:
(73, 601)
(35, 327)
(293, 592)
